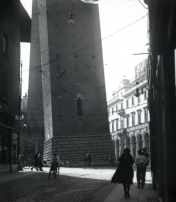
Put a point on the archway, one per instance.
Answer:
(147, 142)
(128, 142)
(140, 143)
(29, 150)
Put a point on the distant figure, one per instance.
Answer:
(35, 161)
(111, 160)
(144, 152)
(22, 160)
(141, 165)
(88, 159)
(57, 163)
(54, 164)
(40, 161)
(124, 172)
(32, 160)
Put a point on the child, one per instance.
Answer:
(54, 165)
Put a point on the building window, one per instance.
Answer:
(132, 101)
(122, 105)
(5, 44)
(121, 123)
(79, 107)
(145, 95)
(146, 115)
(133, 119)
(139, 99)
(116, 109)
(112, 126)
(139, 117)
(117, 124)
(4, 86)
(108, 112)
(113, 111)
(127, 104)
(127, 122)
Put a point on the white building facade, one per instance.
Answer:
(129, 115)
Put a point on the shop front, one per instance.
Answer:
(9, 145)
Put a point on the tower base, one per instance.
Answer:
(72, 150)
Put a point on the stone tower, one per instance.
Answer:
(69, 66)
(32, 135)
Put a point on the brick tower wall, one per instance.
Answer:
(72, 69)
(73, 150)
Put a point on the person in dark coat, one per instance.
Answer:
(124, 172)
(89, 159)
(40, 161)
(36, 161)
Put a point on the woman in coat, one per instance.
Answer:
(124, 172)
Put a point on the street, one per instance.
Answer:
(73, 184)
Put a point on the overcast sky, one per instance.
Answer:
(124, 32)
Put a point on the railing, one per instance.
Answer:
(121, 112)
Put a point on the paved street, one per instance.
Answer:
(73, 184)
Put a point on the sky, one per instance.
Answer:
(124, 33)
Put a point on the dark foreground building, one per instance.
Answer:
(162, 102)
(66, 82)
(14, 28)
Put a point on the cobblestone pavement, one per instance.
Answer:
(73, 184)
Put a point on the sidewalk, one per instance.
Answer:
(13, 176)
(136, 195)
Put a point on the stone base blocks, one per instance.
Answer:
(72, 150)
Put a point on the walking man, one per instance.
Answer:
(35, 161)
(40, 161)
(141, 164)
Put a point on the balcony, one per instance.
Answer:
(121, 112)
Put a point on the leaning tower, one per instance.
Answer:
(72, 77)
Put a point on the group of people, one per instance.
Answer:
(37, 161)
(124, 172)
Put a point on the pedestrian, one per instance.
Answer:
(54, 165)
(57, 163)
(22, 160)
(88, 159)
(35, 161)
(124, 172)
(144, 152)
(140, 162)
(40, 161)
(111, 160)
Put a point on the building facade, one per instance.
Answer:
(12, 14)
(162, 96)
(66, 82)
(128, 113)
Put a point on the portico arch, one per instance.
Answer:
(140, 142)
(147, 142)
(133, 141)
(29, 150)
